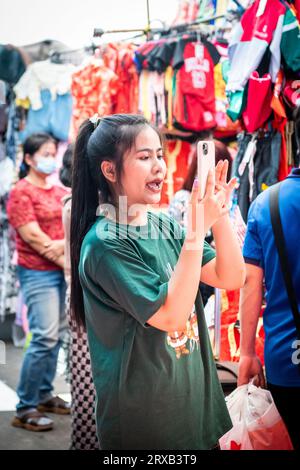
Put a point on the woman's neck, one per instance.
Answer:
(38, 180)
(137, 216)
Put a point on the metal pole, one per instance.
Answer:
(98, 32)
(148, 18)
(217, 323)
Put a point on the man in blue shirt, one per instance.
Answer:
(260, 253)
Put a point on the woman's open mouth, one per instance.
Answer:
(155, 186)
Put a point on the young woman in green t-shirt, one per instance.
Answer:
(135, 285)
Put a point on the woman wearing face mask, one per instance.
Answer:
(35, 211)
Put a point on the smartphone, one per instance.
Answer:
(205, 161)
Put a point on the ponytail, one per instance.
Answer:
(109, 141)
(85, 200)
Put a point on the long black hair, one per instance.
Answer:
(113, 137)
(31, 145)
(65, 173)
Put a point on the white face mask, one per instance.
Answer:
(46, 165)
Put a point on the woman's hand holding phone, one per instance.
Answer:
(214, 202)
(221, 180)
(205, 212)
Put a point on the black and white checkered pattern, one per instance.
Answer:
(83, 435)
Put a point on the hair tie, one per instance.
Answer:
(95, 120)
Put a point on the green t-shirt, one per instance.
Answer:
(154, 390)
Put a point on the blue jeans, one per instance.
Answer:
(44, 295)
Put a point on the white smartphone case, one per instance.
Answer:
(206, 162)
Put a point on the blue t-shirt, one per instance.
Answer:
(260, 249)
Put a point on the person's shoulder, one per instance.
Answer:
(22, 183)
(102, 235)
(21, 187)
(260, 204)
(60, 190)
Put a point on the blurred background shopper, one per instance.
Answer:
(35, 211)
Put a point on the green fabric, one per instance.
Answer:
(225, 70)
(153, 391)
(290, 41)
(237, 102)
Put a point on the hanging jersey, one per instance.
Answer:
(276, 30)
(194, 107)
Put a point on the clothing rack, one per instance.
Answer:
(241, 9)
(99, 32)
(57, 56)
(91, 48)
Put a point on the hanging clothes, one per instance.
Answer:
(94, 89)
(225, 127)
(194, 107)
(12, 64)
(279, 123)
(177, 83)
(8, 278)
(120, 59)
(44, 75)
(47, 87)
(187, 11)
(15, 118)
(260, 93)
(54, 117)
(257, 39)
(256, 166)
(178, 155)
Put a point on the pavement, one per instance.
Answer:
(12, 438)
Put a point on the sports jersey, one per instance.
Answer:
(194, 106)
(273, 33)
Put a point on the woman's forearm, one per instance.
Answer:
(60, 261)
(37, 239)
(230, 266)
(251, 298)
(182, 289)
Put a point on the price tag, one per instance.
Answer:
(199, 51)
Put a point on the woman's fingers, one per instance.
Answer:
(262, 381)
(232, 183)
(223, 177)
(218, 170)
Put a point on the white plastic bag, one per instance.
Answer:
(257, 424)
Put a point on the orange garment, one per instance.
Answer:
(230, 329)
(225, 126)
(279, 123)
(110, 54)
(118, 57)
(94, 90)
(127, 96)
(178, 156)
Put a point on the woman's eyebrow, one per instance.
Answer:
(148, 150)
